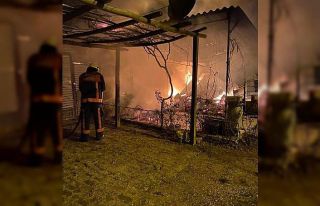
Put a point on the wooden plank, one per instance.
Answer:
(139, 18)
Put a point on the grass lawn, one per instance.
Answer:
(130, 168)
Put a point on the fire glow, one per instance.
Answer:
(188, 77)
(175, 91)
(218, 98)
(264, 88)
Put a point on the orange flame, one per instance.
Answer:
(175, 91)
(188, 78)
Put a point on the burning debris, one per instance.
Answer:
(186, 104)
(178, 107)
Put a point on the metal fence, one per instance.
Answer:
(180, 120)
(173, 120)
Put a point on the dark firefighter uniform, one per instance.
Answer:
(92, 86)
(45, 77)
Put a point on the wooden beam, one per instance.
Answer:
(99, 46)
(193, 112)
(117, 89)
(139, 18)
(164, 41)
(142, 36)
(113, 27)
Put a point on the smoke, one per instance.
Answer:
(296, 40)
(141, 76)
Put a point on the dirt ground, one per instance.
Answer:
(298, 184)
(27, 186)
(130, 168)
(289, 189)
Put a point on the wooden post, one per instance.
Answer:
(298, 84)
(117, 89)
(228, 60)
(270, 43)
(244, 97)
(193, 115)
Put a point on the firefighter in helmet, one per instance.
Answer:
(92, 86)
(44, 77)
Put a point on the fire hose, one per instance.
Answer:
(28, 132)
(77, 124)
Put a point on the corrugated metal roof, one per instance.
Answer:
(213, 12)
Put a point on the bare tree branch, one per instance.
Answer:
(162, 61)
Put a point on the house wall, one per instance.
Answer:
(28, 29)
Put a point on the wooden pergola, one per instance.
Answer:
(87, 23)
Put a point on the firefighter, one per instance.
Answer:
(44, 77)
(92, 86)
